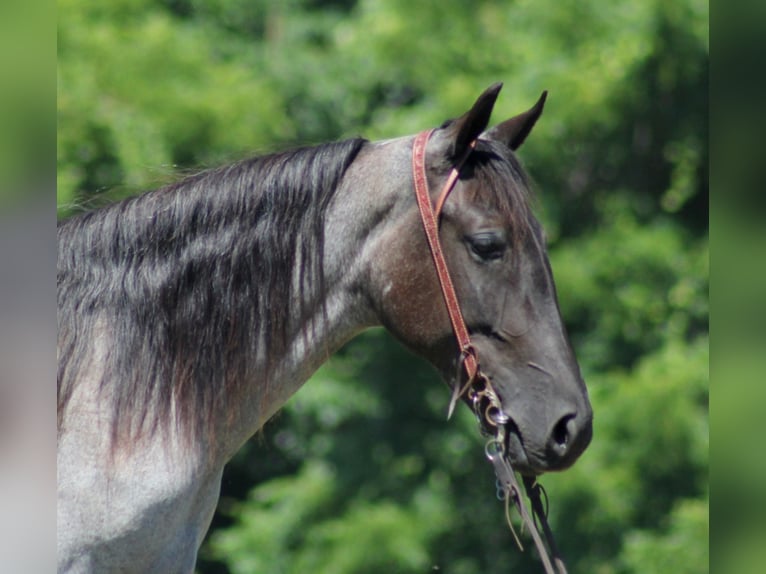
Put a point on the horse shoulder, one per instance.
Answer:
(143, 510)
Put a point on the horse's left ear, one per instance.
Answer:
(513, 132)
(465, 129)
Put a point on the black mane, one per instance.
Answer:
(191, 281)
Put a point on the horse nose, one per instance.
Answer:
(568, 438)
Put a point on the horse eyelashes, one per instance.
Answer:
(487, 246)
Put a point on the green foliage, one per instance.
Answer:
(360, 472)
(370, 536)
(675, 548)
(647, 287)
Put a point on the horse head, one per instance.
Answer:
(495, 250)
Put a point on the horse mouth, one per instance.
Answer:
(524, 458)
(517, 454)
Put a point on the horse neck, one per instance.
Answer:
(359, 217)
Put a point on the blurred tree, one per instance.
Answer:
(360, 472)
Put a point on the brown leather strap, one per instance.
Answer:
(431, 226)
(452, 180)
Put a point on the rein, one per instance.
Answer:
(478, 389)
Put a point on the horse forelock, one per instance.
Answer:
(193, 282)
(502, 185)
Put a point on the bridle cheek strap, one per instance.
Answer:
(430, 218)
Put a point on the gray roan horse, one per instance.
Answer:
(188, 316)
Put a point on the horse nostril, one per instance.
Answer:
(562, 433)
(568, 439)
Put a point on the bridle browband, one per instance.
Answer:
(478, 389)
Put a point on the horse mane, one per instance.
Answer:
(190, 283)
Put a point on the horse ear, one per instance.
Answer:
(465, 129)
(513, 132)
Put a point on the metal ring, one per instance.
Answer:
(495, 416)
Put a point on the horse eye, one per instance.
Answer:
(487, 246)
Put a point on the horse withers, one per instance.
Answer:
(187, 316)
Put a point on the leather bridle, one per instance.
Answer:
(430, 217)
(478, 389)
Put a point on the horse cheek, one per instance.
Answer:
(410, 302)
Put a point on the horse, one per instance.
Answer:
(188, 315)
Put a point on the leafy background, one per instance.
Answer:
(360, 472)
